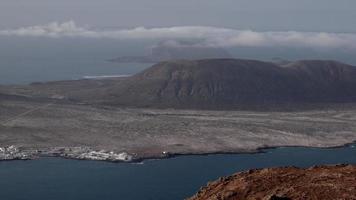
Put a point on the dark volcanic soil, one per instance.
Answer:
(324, 183)
(233, 83)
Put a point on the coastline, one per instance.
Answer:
(132, 158)
(256, 151)
(143, 134)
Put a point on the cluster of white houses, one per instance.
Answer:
(83, 153)
(12, 153)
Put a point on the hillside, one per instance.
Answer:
(324, 182)
(232, 83)
(213, 84)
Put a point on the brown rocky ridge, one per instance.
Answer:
(285, 183)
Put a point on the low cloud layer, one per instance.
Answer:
(207, 36)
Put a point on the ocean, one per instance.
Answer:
(169, 179)
(29, 59)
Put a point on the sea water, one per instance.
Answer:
(168, 179)
(30, 59)
(27, 60)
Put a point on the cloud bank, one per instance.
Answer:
(207, 36)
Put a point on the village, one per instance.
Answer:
(13, 153)
(81, 153)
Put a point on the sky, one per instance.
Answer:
(257, 15)
(315, 24)
(33, 32)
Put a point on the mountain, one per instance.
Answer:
(214, 84)
(236, 83)
(286, 183)
(167, 52)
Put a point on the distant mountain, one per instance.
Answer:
(165, 52)
(233, 83)
(214, 84)
(280, 61)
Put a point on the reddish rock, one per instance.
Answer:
(321, 182)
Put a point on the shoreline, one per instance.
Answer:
(38, 154)
(247, 152)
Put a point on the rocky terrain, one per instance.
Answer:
(287, 183)
(145, 133)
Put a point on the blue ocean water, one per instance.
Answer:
(29, 59)
(169, 179)
(26, 60)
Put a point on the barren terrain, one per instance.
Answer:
(31, 124)
(287, 183)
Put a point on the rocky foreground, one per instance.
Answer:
(321, 182)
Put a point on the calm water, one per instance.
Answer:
(25, 60)
(176, 178)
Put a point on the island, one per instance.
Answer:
(182, 107)
(174, 50)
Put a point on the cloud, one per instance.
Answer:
(206, 36)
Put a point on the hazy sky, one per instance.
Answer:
(259, 15)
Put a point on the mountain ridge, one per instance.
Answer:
(232, 83)
(213, 84)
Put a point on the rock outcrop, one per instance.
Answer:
(287, 183)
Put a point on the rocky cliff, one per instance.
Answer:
(288, 183)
